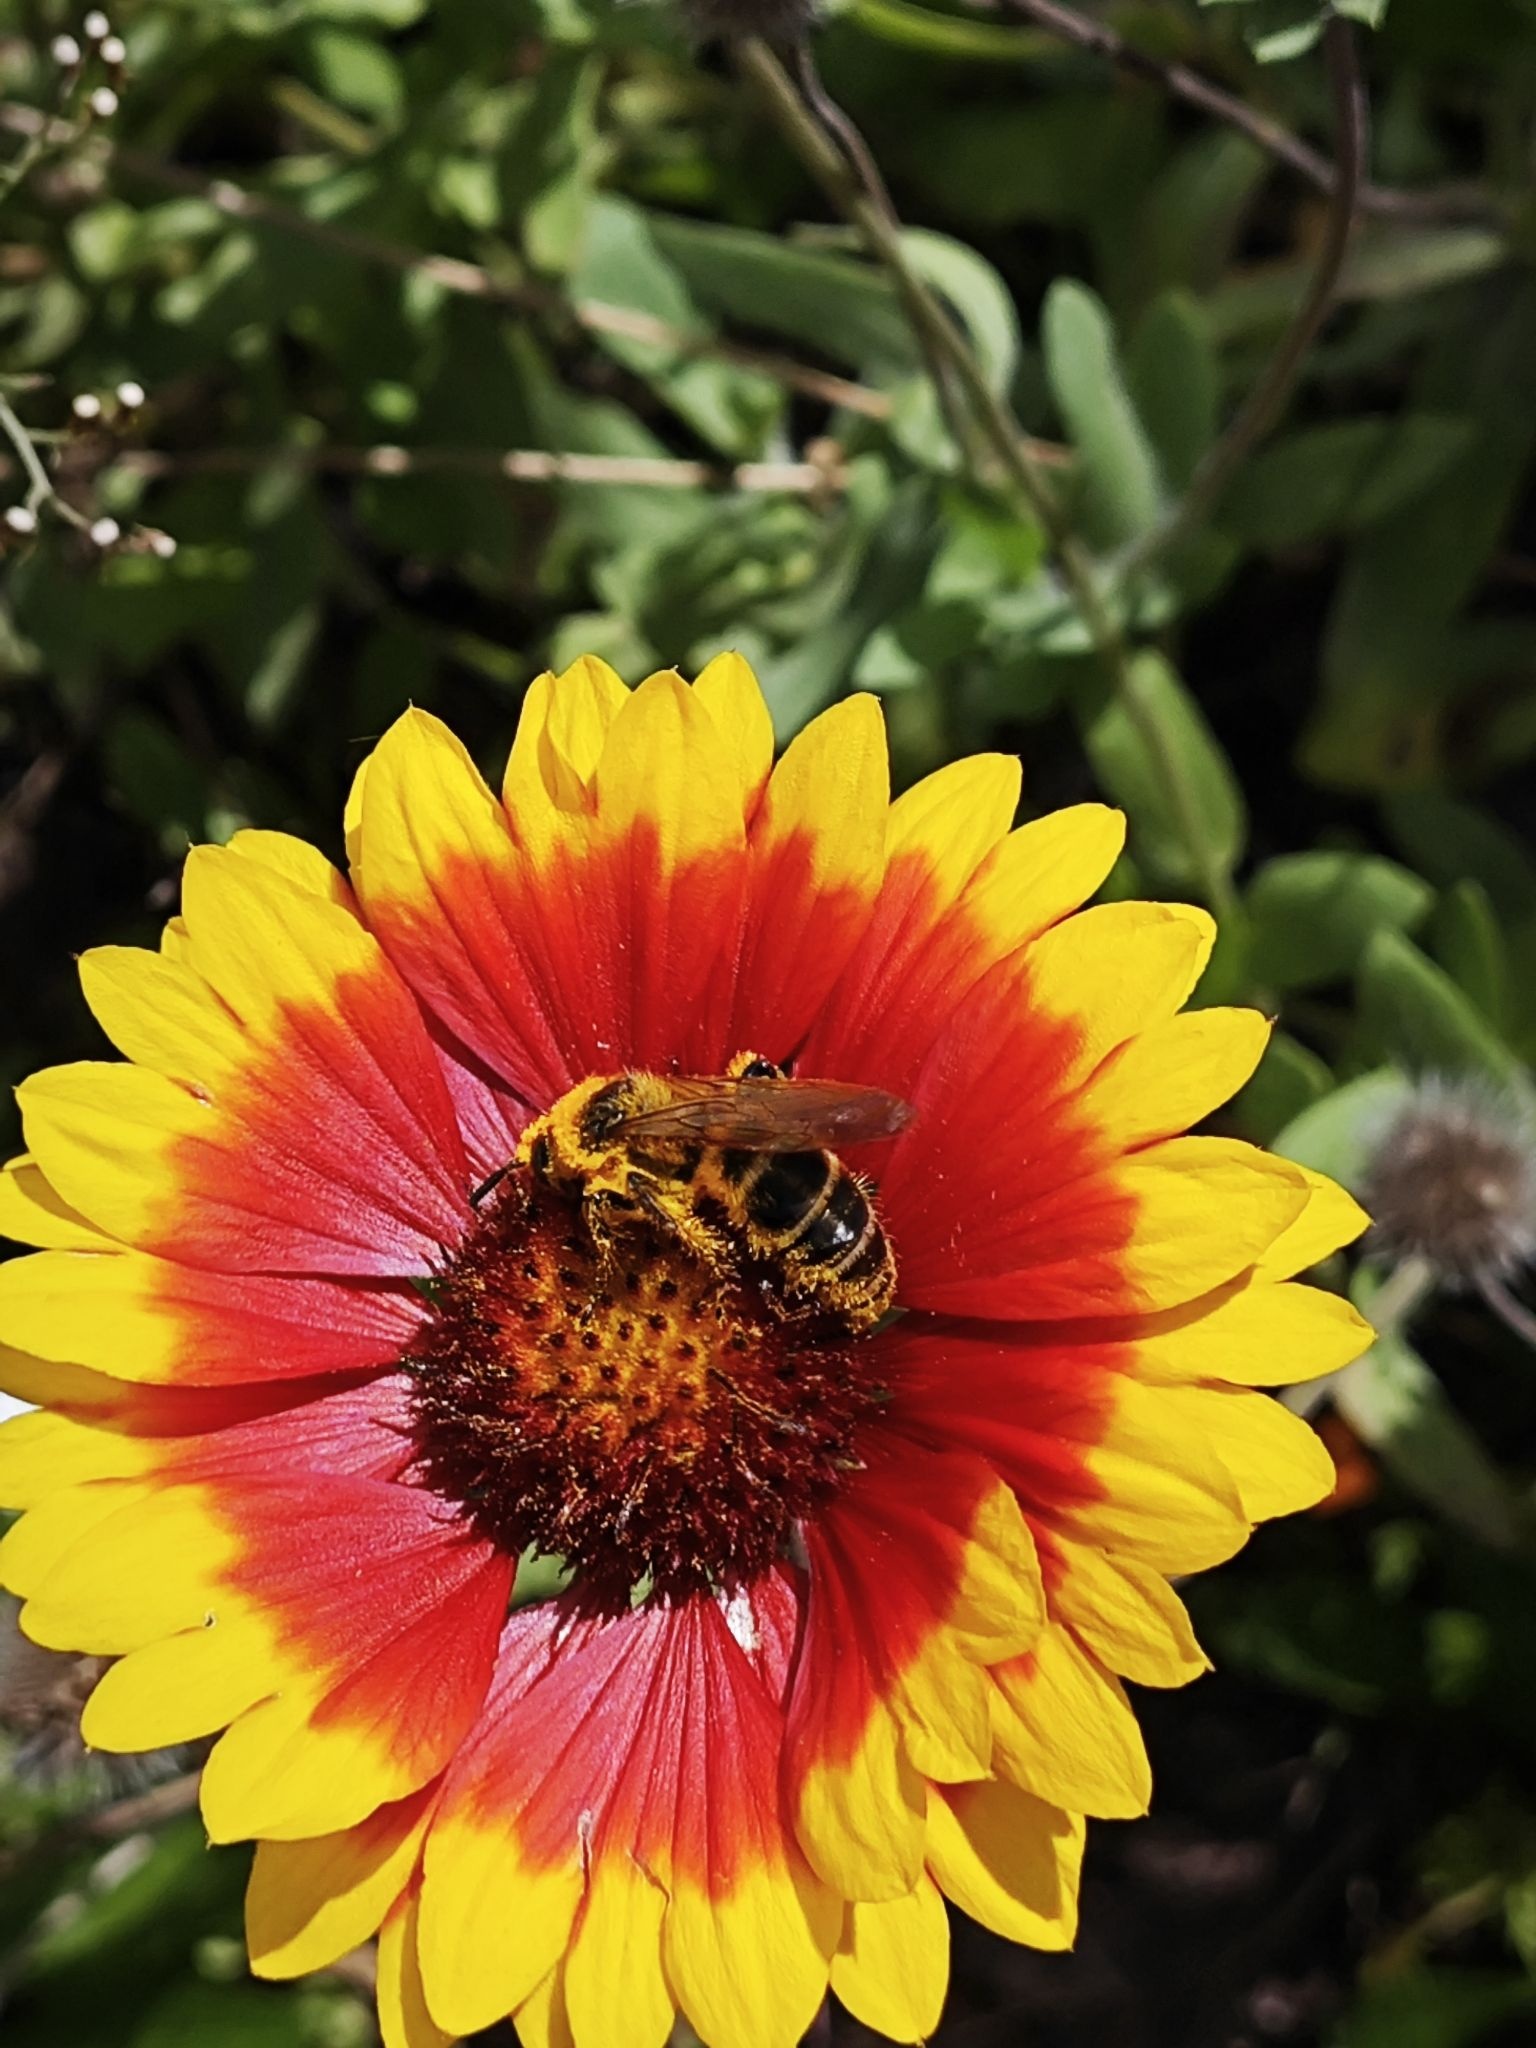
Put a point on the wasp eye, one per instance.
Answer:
(761, 1070)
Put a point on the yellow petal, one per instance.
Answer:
(1168, 1078)
(1039, 874)
(310, 1902)
(1277, 1461)
(1331, 1219)
(404, 2020)
(892, 1970)
(305, 866)
(42, 1452)
(541, 2020)
(1009, 1861)
(183, 1687)
(954, 817)
(666, 772)
(732, 696)
(616, 1993)
(1255, 1334)
(860, 1819)
(32, 1213)
(102, 1134)
(1127, 1615)
(1067, 1733)
(750, 1966)
(1116, 970)
(162, 1014)
(476, 1885)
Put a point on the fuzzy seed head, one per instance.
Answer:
(1453, 1181)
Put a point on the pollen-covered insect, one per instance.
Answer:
(731, 1164)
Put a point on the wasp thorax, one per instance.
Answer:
(625, 1404)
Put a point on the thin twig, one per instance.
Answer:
(1265, 403)
(513, 465)
(145, 1809)
(1011, 447)
(1513, 1314)
(471, 280)
(1273, 137)
(40, 490)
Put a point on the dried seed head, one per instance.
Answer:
(42, 1695)
(734, 21)
(1453, 1181)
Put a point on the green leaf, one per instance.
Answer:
(622, 264)
(1163, 763)
(1411, 1009)
(978, 296)
(1469, 945)
(1290, 1079)
(1426, 2008)
(1340, 478)
(1339, 1135)
(1312, 913)
(956, 37)
(1122, 488)
(1174, 376)
(1398, 1408)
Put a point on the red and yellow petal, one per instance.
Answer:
(306, 1129)
(959, 898)
(922, 1573)
(135, 1316)
(816, 856)
(657, 1873)
(1066, 1731)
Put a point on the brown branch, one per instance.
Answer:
(1267, 400)
(826, 473)
(144, 1809)
(1273, 137)
(469, 280)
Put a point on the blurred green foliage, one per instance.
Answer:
(315, 230)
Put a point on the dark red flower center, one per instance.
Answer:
(656, 1423)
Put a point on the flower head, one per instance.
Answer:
(1452, 1180)
(599, 1592)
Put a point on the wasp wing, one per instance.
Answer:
(770, 1115)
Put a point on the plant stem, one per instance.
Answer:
(1267, 400)
(40, 490)
(1384, 201)
(943, 340)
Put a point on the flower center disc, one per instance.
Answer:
(647, 1418)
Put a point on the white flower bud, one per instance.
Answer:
(162, 545)
(86, 406)
(103, 102)
(130, 395)
(21, 519)
(65, 52)
(113, 50)
(96, 25)
(106, 533)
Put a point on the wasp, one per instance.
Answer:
(731, 1164)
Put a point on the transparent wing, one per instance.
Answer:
(779, 1115)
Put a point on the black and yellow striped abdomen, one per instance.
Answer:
(807, 1214)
